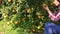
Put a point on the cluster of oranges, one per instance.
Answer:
(10, 22)
(39, 15)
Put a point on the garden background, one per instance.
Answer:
(23, 16)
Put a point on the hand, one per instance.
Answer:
(45, 7)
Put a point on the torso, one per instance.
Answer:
(55, 19)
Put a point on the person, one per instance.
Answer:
(51, 27)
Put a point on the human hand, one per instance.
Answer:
(45, 7)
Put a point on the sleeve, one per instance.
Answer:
(51, 15)
(58, 15)
(53, 18)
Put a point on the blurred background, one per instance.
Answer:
(23, 16)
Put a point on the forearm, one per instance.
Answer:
(58, 15)
(50, 13)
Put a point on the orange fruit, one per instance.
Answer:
(33, 31)
(17, 22)
(28, 30)
(8, 22)
(9, 0)
(38, 27)
(44, 5)
(39, 16)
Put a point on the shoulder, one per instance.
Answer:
(59, 12)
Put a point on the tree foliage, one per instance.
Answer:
(23, 15)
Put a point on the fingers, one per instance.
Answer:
(44, 5)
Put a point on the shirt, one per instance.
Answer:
(56, 18)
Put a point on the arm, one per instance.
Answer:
(49, 12)
(58, 14)
(52, 16)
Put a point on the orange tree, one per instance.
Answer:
(23, 15)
